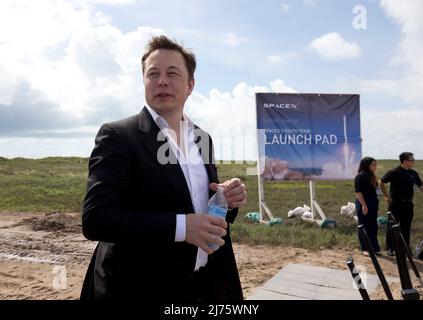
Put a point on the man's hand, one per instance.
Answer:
(365, 210)
(388, 200)
(204, 228)
(235, 192)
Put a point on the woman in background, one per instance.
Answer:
(367, 202)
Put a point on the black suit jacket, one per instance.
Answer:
(130, 207)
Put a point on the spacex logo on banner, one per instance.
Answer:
(318, 139)
(279, 106)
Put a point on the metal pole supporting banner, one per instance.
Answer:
(312, 197)
(365, 238)
(314, 205)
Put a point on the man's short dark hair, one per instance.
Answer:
(163, 42)
(405, 156)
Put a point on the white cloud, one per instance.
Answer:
(279, 86)
(388, 133)
(230, 117)
(274, 58)
(190, 33)
(238, 106)
(68, 60)
(390, 87)
(332, 46)
(286, 7)
(406, 65)
(310, 3)
(114, 2)
(399, 130)
(72, 70)
(68, 69)
(233, 40)
(280, 58)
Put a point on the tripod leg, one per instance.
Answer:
(408, 292)
(375, 262)
(411, 261)
(356, 276)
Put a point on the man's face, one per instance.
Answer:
(166, 81)
(410, 162)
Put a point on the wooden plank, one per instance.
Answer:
(297, 281)
(306, 278)
(290, 283)
(342, 293)
(262, 294)
(326, 296)
(308, 290)
(298, 291)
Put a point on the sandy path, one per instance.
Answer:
(52, 264)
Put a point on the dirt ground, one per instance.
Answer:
(45, 256)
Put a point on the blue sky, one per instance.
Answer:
(269, 30)
(69, 66)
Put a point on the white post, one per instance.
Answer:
(262, 205)
(314, 205)
(312, 197)
(260, 187)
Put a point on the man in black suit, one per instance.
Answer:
(150, 178)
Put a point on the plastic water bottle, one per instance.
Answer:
(218, 207)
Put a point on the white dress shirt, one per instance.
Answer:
(195, 173)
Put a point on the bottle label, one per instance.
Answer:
(217, 211)
(213, 246)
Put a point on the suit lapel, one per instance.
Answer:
(212, 177)
(172, 171)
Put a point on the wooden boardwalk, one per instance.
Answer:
(303, 282)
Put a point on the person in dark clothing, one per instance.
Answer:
(367, 202)
(404, 181)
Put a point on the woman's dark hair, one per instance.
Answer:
(365, 167)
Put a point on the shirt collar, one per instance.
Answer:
(162, 123)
